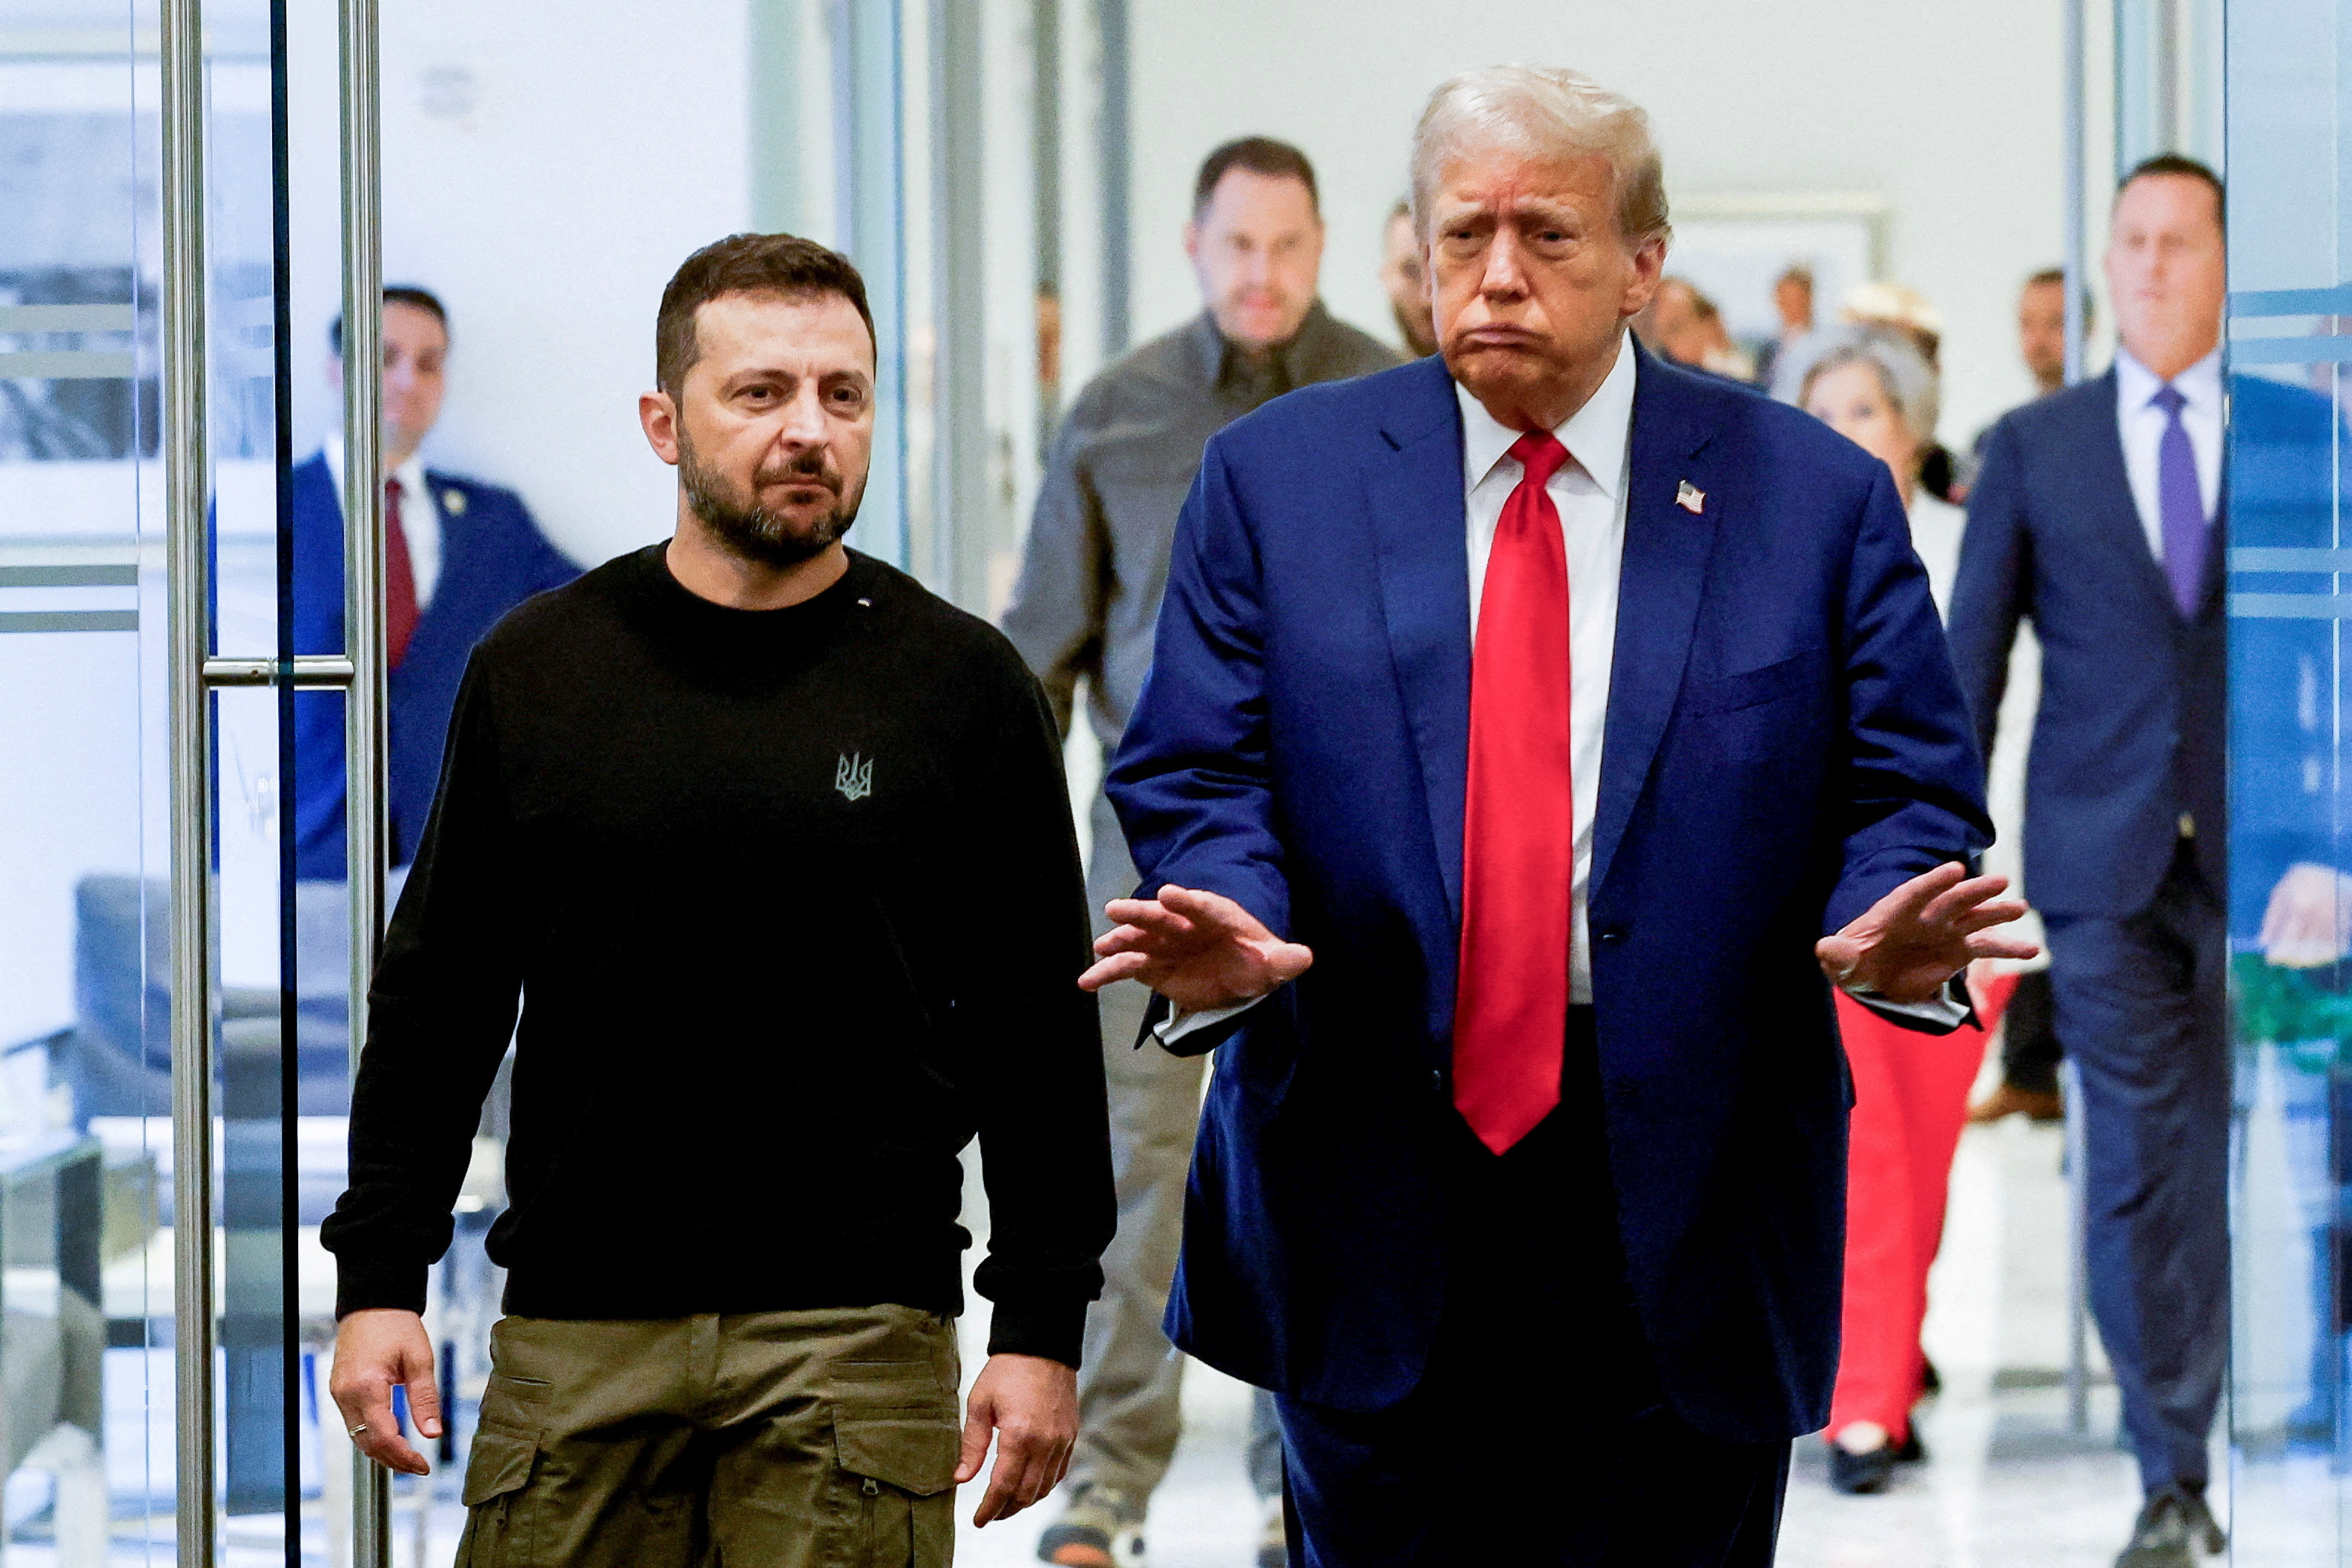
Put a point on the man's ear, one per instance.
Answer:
(658, 415)
(1649, 271)
(1192, 243)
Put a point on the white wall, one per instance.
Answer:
(1950, 110)
(544, 175)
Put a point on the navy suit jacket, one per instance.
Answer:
(2134, 707)
(493, 557)
(1785, 743)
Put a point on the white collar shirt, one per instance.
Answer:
(1589, 492)
(2143, 423)
(420, 516)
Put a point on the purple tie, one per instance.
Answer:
(2181, 503)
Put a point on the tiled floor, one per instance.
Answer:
(2008, 1484)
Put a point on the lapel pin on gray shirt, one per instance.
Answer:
(1690, 497)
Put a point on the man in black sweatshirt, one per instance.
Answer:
(710, 813)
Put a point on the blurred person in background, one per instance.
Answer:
(458, 554)
(2099, 516)
(1875, 387)
(2029, 1051)
(1792, 306)
(1524, 1157)
(1683, 324)
(2042, 329)
(1084, 609)
(1895, 307)
(1407, 282)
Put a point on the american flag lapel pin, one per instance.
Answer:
(1690, 498)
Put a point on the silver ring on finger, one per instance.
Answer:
(358, 1429)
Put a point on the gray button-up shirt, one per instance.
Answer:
(1091, 574)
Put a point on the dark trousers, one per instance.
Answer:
(2029, 1051)
(2142, 1006)
(1538, 1436)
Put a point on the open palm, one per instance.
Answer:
(1200, 950)
(1904, 947)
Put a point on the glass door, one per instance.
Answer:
(176, 1029)
(2291, 1402)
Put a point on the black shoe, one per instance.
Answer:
(1930, 1380)
(1912, 1450)
(2202, 1526)
(1859, 1475)
(2172, 1525)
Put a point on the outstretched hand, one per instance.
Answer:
(1904, 947)
(1200, 950)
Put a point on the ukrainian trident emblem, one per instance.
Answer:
(854, 778)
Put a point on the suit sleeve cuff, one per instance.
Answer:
(1939, 1014)
(365, 1286)
(1052, 1330)
(1177, 1025)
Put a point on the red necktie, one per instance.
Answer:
(1518, 849)
(399, 580)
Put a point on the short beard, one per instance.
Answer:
(754, 532)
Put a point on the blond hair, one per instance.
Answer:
(1548, 111)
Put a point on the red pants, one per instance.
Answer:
(1910, 1101)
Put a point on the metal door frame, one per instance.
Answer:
(194, 672)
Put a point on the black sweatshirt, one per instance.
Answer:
(792, 902)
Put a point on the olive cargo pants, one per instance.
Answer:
(804, 1439)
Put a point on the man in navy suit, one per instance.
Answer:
(2098, 514)
(1530, 729)
(458, 554)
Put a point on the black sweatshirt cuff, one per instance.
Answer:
(363, 1286)
(1054, 1330)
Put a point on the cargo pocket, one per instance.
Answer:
(899, 1469)
(497, 1471)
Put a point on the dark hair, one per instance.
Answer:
(745, 264)
(2189, 167)
(2055, 277)
(1259, 155)
(424, 299)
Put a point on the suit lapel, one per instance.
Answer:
(1659, 588)
(2114, 509)
(1414, 490)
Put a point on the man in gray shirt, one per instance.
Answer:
(1085, 606)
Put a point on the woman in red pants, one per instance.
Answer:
(1873, 383)
(1910, 1100)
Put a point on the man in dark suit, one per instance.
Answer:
(2098, 516)
(458, 554)
(1538, 1170)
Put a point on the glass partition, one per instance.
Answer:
(2289, 131)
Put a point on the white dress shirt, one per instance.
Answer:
(1589, 492)
(420, 516)
(2143, 424)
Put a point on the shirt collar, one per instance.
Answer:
(1597, 435)
(410, 473)
(2200, 383)
(1300, 355)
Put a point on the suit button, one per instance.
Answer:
(1437, 1080)
(1610, 934)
